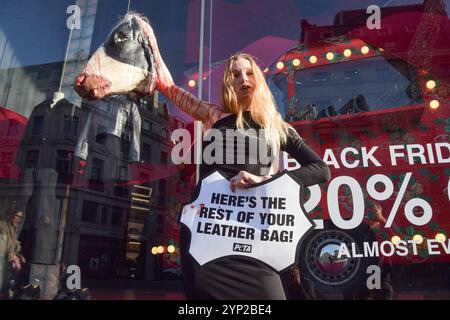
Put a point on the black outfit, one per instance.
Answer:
(239, 277)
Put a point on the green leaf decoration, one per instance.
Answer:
(399, 230)
(438, 121)
(425, 172)
(410, 231)
(433, 226)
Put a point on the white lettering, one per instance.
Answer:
(394, 154)
(419, 153)
(432, 244)
(373, 21)
(366, 156)
(344, 158)
(330, 159)
(440, 158)
(374, 280)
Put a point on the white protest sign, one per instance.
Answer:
(264, 222)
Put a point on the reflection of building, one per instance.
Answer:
(23, 88)
(79, 48)
(330, 68)
(105, 225)
(163, 227)
(12, 126)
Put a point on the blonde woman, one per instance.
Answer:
(247, 103)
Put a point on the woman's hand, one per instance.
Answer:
(16, 263)
(245, 179)
(164, 80)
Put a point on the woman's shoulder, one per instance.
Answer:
(293, 139)
(224, 115)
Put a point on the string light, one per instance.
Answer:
(434, 104)
(365, 50)
(347, 53)
(418, 238)
(313, 59)
(431, 84)
(280, 65)
(395, 239)
(440, 237)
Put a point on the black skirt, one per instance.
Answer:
(228, 278)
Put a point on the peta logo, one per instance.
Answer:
(241, 247)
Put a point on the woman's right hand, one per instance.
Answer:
(16, 263)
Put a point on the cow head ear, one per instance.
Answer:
(136, 28)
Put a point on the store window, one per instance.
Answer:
(70, 125)
(38, 125)
(32, 158)
(64, 160)
(89, 213)
(373, 103)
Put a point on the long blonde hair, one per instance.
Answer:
(262, 108)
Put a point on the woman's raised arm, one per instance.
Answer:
(206, 112)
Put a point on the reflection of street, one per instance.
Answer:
(329, 260)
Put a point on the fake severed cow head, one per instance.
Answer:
(123, 64)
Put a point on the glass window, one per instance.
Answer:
(162, 192)
(32, 157)
(5, 164)
(70, 125)
(160, 224)
(357, 96)
(89, 213)
(147, 126)
(116, 217)
(38, 125)
(64, 165)
(13, 129)
(146, 152)
(163, 157)
(97, 169)
(104, 216)
(101, 134)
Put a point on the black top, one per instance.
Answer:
(313, 170)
